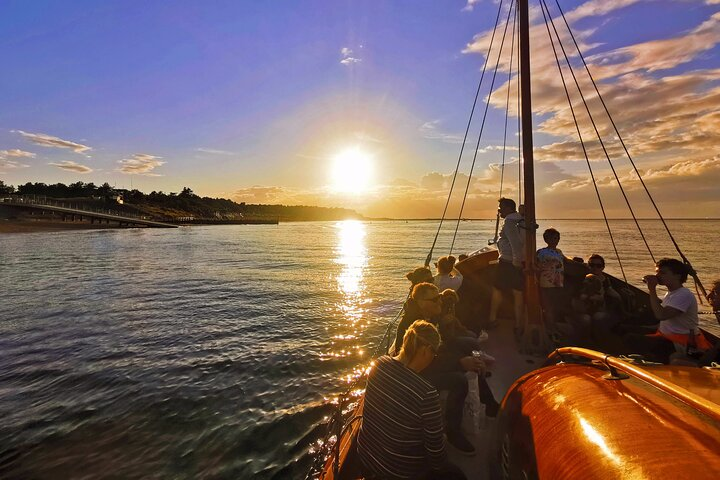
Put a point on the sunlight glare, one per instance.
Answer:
(352, 171)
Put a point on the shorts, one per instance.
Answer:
(508, 277)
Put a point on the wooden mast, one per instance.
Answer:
(531, 289)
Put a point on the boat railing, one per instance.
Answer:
(615, 365)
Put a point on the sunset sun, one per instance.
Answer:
(351, 171)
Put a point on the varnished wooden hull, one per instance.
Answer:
(567, 422)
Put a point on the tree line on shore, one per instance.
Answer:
(183, 204)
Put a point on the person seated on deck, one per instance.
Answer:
(401, 435)
(456, 335)
(589, 307)
(447, 276)
(677, 313)
(447, 370)
(551, 280)
(419, 275)
(599, 326)
(714, 296)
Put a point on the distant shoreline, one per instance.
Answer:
(33, 226)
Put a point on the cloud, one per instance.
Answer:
(72, 167)
(213, 151)
(430, 130)
(347, 57)
(16, 153)
(659, 54)
(7, 163)
(53, 142)
(140, 164)
(258, 194)
(470, 5)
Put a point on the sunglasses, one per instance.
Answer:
(598, 265)
(432, 299)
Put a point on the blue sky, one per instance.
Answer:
(255, 100)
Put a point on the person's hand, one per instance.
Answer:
(651, 281)
(472, 364)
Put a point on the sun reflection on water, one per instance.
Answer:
(351, 255)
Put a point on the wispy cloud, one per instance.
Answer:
(347, 57)
(141, 164)
(214, 151)
(470, 5)
(16, 153)
(53, 142)
(430, 130)
(258, 194)
(72, 167)
(7, 157)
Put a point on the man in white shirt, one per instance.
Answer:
(509, 275)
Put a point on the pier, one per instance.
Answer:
(73, 213)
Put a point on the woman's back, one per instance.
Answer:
(401, 434)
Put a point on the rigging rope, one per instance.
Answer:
(467, 129)
(693, 273)
(507, 115)
(482, 125)
(597, 133)
(582, 143)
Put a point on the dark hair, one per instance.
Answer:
(595, 256)
(507, 202)
(420, 274)
(445, 264)
(550, 232)
(675, 266)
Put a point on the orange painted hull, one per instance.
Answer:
(567, 422)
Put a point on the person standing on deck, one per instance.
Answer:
(509, 275)
(401, 435)
(551, 279)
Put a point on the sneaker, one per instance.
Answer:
(461, 444)
(492, 409)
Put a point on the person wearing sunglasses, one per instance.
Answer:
(447, 370)
(401, 435)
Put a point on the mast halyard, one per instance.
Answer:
(531, 290)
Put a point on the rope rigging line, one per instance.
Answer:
(507, 114)
(582, 142)
(482, 125)
(597, 132)
(428, 259)
(693, 273)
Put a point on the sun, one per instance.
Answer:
(351, 171)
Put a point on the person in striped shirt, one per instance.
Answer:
(401, 436)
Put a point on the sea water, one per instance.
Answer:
(213, 351)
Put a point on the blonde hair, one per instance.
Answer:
(420, 334)
(421, 289)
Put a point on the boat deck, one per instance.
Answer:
(510, 364)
